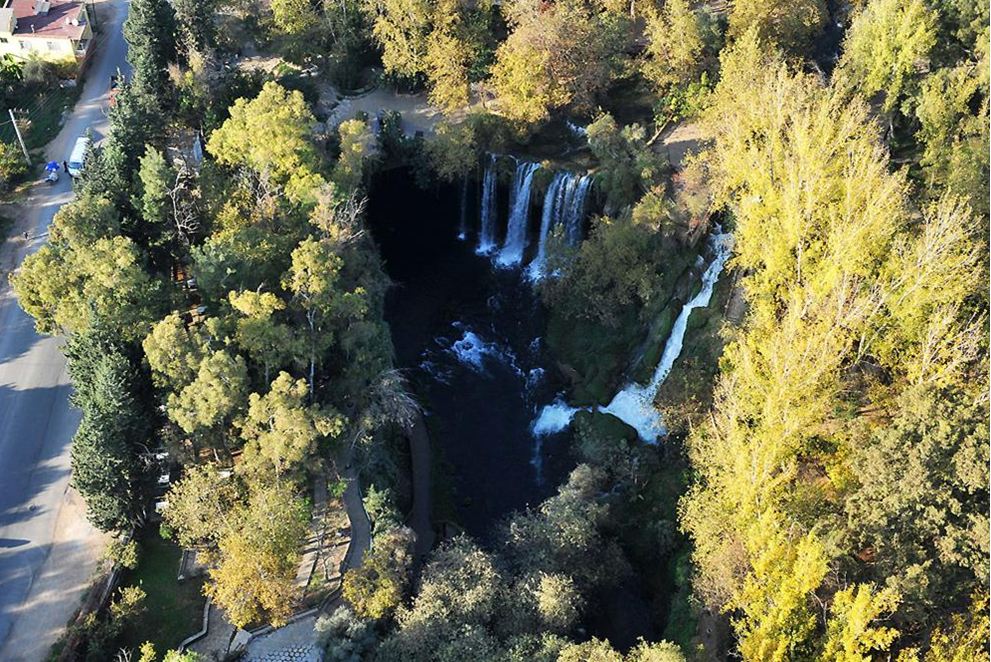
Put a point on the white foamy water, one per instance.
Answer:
(472, 350)
(634, 404)
(553, 418)
(519, 215)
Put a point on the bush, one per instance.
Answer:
(123, 553)
(39, 73)
(12, 166)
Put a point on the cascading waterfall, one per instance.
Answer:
(548, 216)
(573, 207)
(634, 404)
(519, 215)
(486, 234)
(564, 204)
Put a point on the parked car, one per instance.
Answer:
(78, 157)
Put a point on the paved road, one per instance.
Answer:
(48, 552)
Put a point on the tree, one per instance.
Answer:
(954, 137)
(885, 45)
(559, 603)
(557, 55)
(157, 182)
(196, 22)
(85, 220)
(105, 469)
(68, 288)
(202, 506)
(270, 135)
(357, 146)
(851, 635)
(12, 165)
(452, 150)
(789, 25)
(379, 585)
(149, 30)
(628, 165)
(174, 352)
(294, 17)
(313, 280)
(258, 557)
(401, 28)
(344, 636)
(675, 45)
(461, 594)
(458, 52)
(280, 431)
(263, 337)
(217, 392)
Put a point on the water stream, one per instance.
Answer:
(634, 403)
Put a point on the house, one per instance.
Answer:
(54, 30)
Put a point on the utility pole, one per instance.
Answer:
(20, 138)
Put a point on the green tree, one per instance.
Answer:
(196, 21)
(85, 220)
(401, 29)
(884, 47)
(259, 333)
(357, 147)
(202, 505)
(378, 586)
(149, 30)
(792, 26)
(174, 352)
(218, 391)
(280, 432)
(675, 45)
(270, 134)
(157, 179)
(564, 54)
(314, 281)
(851, 633)
(105, 468)
(295, 17)
(68, 288)
(452, 150)
(12, 165)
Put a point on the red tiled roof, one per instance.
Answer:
(55, 24)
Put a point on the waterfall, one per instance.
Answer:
(463, 225)
(548, 216)
(486, 235)
(519, 215)
(573, 207)
(564, 204)
(634, 404)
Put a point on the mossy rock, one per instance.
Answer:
(606, 426)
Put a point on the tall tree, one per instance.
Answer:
(270, 134)
(150, 34)
(105, 466)
(887, 43)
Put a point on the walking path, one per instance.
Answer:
(419, 519)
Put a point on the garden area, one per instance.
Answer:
(173, 610)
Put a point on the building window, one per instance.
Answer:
(3, 40)
(52, 46)
(24, 46)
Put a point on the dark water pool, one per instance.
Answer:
(468, 337)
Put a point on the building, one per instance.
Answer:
(54, 30)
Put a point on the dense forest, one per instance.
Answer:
(821, 489)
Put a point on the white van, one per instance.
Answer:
(78, 156)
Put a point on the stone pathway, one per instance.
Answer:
(293, 643)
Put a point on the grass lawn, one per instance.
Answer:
(174, 610)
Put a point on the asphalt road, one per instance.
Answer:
(48, 552)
